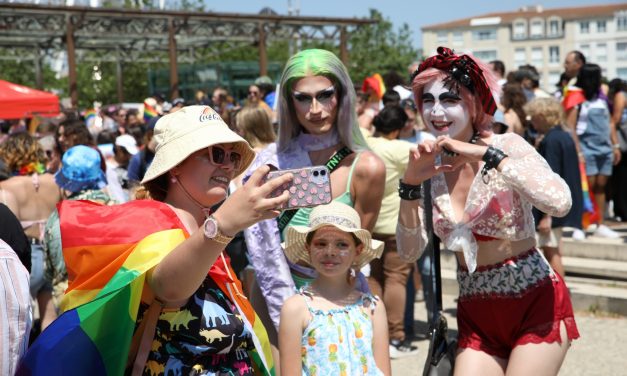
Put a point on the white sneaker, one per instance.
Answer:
(605, 232)
(401, 349)
(578, 235)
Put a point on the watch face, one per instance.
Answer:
(211, 228)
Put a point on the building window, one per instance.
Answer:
(554, 54)
(584, 49)
(601, 26)
(520, 30)
(584, 27)
(458, 38)
(553, 79)
(536, 57)
(537, 29)
(520, 57)
(622, 73)
(485, 56)
(621, 51)
(621, 21)
(485, 34)
(442, 37)
(601, 52)
(554, 27)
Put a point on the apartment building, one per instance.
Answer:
(541, 37)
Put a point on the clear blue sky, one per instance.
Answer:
(415, 13)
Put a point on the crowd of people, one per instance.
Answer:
(224, 282)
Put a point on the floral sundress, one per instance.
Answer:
(339, 341)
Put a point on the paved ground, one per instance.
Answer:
(601, 350)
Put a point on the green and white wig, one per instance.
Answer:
(316, 62)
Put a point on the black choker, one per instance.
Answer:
(473, 140)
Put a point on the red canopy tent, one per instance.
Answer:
(17, 102)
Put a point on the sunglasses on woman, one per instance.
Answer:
(218, 156)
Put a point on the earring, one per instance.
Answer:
(173, 179)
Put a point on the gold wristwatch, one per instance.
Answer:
(212, 231)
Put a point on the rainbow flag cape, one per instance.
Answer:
(149, 112)
(108, 250)
(590, 207)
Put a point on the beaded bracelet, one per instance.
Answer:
(408, 192)
(492, 158)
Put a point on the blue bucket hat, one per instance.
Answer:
(80, 170)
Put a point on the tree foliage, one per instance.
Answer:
(375, 48)
(378, 48)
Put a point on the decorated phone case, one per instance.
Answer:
(310, 187)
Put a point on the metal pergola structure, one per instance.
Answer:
(28, 32)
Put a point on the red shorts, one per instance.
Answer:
(518, 301)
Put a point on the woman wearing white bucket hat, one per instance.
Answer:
(187, 310)
(196, 157)
(330, 327)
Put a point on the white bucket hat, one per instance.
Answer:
(337, 215)
(192, 128)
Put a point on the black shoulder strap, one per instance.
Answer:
(433, 247)
(286, 216)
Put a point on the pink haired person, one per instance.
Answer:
(514, 313)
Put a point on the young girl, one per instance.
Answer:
(330, 328)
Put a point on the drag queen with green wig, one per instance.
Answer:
(317, 123)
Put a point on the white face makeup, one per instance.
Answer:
(444, 112)
(332, 251)
(315, 103)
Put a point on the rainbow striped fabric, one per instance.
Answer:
(90, 115)
(149, 112)
(108, 250)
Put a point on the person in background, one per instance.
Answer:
(330, 327)
(588, 117)
(391, 99)
(513, 99)
(389, 274)
(15, 309)
(124, 149)
(558, 148)
(33, 196)
(414, 131)
(617, 97)
(267, 88)
(80, 178)
(12, 233)
(140, 162)
(498, 69)
(254, 99)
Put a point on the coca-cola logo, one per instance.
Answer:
(208, 114)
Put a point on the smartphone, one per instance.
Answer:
(310, 187)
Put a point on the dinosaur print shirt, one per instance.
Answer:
(204, 337)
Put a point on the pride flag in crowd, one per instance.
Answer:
(375, 84)
(108, 250)
(90, 115)
(150, 109)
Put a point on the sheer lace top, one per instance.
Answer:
(500, 209)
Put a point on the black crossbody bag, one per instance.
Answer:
(441, 357)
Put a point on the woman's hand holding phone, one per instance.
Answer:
(311, 186)
(253, 202)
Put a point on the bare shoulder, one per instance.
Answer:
(294, 306)
(187, 219)
(370, 166)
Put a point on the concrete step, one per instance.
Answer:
(587, 294)
(595, 247)
(604, 269)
